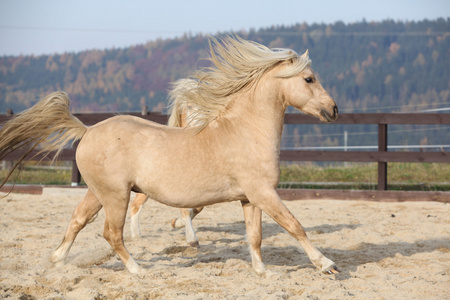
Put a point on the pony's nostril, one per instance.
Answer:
(335, 111)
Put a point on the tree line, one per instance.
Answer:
(384, 66)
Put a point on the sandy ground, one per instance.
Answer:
(384, 250)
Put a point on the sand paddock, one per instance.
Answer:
(384, 250)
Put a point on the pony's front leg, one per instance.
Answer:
(135, 211)
(252, 216)
(272, 205)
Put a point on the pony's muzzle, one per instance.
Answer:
(335, 112)
(330, 116)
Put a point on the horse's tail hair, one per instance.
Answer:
(47, 126)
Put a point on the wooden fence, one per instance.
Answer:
(382, 156)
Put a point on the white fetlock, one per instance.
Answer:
(57, 262)
(58, 257)
(134, 224)
(133, 267)
(257, 265)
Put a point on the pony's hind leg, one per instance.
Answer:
(115, 215)
(82, 215)
(187, 215)
(135, 211)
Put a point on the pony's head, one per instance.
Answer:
(238, 64)
(302, 89)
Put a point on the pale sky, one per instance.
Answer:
(58, 26)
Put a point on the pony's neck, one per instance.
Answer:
(259, 110)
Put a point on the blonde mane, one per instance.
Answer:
(237, 64)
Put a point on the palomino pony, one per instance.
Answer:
(232, 156)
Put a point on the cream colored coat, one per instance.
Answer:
(235, 155)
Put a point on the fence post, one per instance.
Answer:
(76, 176)
(382, 166)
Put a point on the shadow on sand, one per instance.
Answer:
(348, 259)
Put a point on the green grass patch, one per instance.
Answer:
(41, 173)
(39, 176)
(363, 176)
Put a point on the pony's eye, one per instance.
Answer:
(309, 80)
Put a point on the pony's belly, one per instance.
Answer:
(190, 198)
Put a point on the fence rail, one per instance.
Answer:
(382, 156)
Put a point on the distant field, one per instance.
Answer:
(401, 176)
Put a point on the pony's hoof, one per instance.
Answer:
(194, 244)
(333, 269)
(140, 273)
(56, 264)
(328, 266)
(272, 274)
(266, 273)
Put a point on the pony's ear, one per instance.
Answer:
(306, 54)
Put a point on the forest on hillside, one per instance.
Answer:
(384, 66)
